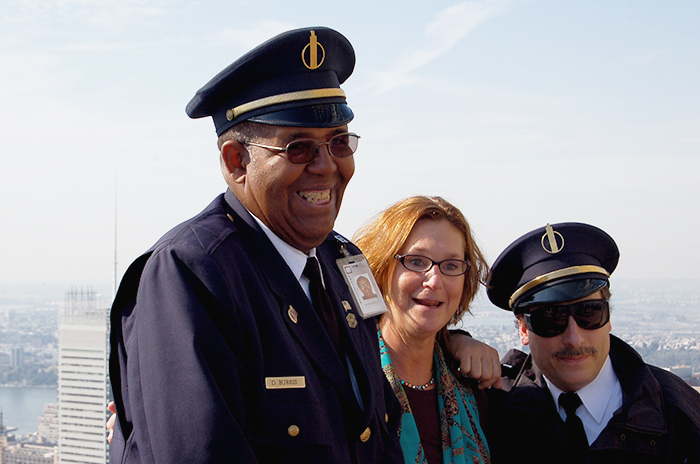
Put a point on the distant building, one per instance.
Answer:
(82, 379)
(17, 356)
(684, 372)
(47, 428)
(3, 438)
(22, 453)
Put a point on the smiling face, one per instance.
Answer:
(299, 203)
(572, 359)
(422, 303)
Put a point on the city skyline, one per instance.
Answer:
(651, 315)
(519, 112)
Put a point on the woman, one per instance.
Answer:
(428, 268)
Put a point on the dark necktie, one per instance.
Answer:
(574, 433)
(322, 304)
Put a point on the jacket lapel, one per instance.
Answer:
(295, 308)
(642, 397)
(352, 328)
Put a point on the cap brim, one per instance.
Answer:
(561, 291)
(320, 115)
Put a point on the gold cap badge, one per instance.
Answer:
(313, 47)
(554, 241)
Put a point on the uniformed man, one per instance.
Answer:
(235, 337)
(582, 395)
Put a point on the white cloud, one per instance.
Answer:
(645, 58)
(24, 76)
(40, 16)
(251, 35)
(449, 27)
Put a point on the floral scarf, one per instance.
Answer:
(463, 440)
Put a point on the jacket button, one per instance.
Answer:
(293, 430)
(386, 417)
(622, 437)
(365, 435)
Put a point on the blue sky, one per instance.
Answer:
(519, 112)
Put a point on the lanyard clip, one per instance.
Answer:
(342, 245)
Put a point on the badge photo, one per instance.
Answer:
(364, 289)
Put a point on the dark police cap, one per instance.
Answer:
(290, 80)
(552, 264)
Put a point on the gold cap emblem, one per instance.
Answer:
(313, 47)
(552, 241)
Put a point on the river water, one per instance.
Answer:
(22, 406)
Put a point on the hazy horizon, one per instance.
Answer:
(520, 112)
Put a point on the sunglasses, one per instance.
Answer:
(304, 151)
(550, 321)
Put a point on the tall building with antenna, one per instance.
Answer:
(83, 387)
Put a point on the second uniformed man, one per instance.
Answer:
(582, 395)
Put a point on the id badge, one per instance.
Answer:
(363, 287)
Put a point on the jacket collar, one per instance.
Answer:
(642, 404)
(642, 398)
(305, 325)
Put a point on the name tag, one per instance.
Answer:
(273, 383)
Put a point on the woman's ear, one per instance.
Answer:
(234, 159)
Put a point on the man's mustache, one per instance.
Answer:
(573, 352)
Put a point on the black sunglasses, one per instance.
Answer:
(552, 320)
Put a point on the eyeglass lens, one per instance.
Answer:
(418, 263)
(303, 151)
(550, 321)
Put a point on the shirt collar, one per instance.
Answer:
(295, 259)
(596, 395)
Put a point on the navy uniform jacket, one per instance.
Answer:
(204, 319)
(658, 422)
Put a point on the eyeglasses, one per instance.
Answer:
(418, 263)
(550, 321)
(304, 151)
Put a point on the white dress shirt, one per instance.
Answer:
(601, 398)
(295, 259)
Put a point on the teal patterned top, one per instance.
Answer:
(463, 440)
